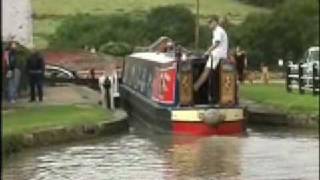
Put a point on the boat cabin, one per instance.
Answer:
(157, 92)
(168, 78)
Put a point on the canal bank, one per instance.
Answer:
(75, 115)
(62, 117)
(272, 105)
(262, 114)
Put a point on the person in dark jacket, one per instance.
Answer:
(241, 63)
(35, 69)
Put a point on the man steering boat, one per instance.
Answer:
(217, 52)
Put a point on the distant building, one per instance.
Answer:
(17, 21)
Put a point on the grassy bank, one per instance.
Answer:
(26, 120)
(21, 121)
(276, 95)
(49, 13)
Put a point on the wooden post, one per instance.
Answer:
(111, 92)
(301, 90)
(314, 84)
(197, 28)
(107, 86)
(288, 82)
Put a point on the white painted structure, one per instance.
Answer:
(17, 21)
(58, 71)
(113, 89)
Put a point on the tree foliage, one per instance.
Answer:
(263, 3)
(176, 22)
(285, 33)
(114, 31)
(90, 30)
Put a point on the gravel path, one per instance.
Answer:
(60, 95)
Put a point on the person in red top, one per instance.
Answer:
(5, 61)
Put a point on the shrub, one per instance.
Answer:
(91, 30)
(264, 3)
(116, 48)
(81, 30)
(176, 22)
(205, 37)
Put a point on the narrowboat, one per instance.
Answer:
(157, 93)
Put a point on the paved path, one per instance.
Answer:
(61, 95)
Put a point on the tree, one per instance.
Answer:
(176, 22)
(291, 28)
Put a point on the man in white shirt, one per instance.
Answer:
(217, 51)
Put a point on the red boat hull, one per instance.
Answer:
(201, 128)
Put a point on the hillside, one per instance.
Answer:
(49, 13)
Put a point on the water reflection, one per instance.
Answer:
(262, 155)
(206, 158)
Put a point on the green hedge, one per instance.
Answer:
(82, 30)
(263, 3)
(92, 30)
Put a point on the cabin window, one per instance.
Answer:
(138, 75)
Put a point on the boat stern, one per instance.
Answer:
(219, 121)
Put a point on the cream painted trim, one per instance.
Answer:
(185, 115)
(193, 115)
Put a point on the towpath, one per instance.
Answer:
(60, 95)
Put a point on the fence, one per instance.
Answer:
(303, 77)
(92, 83)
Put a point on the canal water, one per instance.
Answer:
(262, 154)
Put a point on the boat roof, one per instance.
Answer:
(157, 57)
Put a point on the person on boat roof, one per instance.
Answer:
(217, 51)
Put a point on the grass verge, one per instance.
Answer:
(277, 96)
(22, 121)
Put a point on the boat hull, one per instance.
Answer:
(201, 128)
(147, 115)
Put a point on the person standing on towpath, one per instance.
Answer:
(35, 70)
(13, 74)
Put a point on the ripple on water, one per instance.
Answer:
(261, 155)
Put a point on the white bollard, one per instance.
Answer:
(111, 92)
(103, 90)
